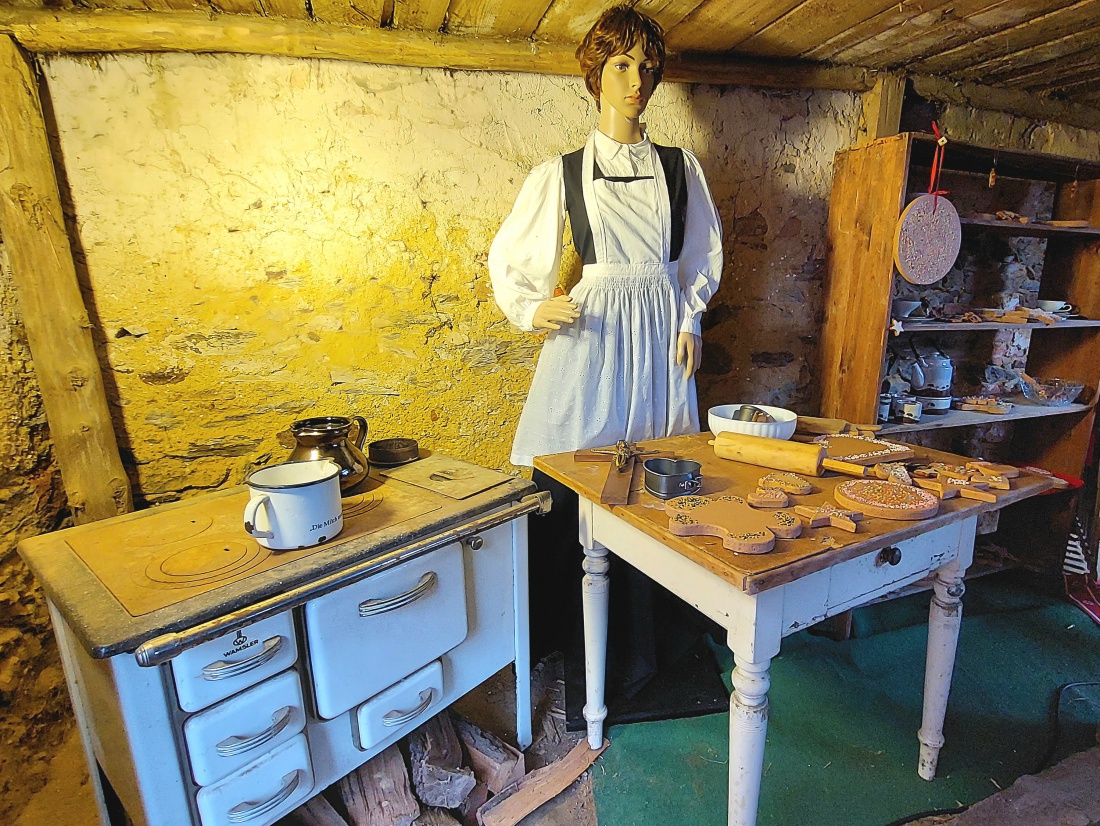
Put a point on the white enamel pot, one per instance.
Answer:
(294, 505)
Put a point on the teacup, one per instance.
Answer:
(1055, 306)
(294, 504)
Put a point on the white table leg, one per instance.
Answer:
(594, 596)
(944, 621)
(748, 731)
(522, 635)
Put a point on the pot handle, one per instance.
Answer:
(250, 517)
(361, 435)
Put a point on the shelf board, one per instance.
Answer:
(967, 418)
(946, 326)
(1030, 230)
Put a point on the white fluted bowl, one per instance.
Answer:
(721, 420)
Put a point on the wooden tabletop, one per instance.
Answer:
(791, 558)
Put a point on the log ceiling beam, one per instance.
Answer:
(59, 331)
(1013, 101)
(200, 32)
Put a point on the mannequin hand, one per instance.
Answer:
(554, 312)
(689, 352)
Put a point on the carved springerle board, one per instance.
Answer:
(862, 450)
(741, 528)
(927, 239)
(887, 500)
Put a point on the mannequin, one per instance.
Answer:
(622, 348)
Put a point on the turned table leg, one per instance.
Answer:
(944, 621)
(594, 596)
(748, 731)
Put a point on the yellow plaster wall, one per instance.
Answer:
(268, 238)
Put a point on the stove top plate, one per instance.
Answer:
(191, 550)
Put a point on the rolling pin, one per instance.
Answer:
(780, 454)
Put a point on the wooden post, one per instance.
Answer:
(882, 109)
(58, 330)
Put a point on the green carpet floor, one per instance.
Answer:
(842, 746)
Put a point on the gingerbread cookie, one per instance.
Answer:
(742, 529)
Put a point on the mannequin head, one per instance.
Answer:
(616, 33)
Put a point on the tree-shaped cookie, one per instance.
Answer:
(741, 528)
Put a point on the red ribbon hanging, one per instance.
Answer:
(937, 167)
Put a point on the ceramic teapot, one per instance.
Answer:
(931, 371)
(328, 437)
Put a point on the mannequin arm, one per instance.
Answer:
(689, 352)
(552, 313)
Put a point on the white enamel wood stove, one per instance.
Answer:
(216, 683)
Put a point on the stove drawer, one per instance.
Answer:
(234, 661)
(401, 707)
(262, 792)
(233, 733)
(367, 636)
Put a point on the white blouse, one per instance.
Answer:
(525, 255)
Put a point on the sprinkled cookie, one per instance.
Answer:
(887, 500)
(787, 482)
(741, 528)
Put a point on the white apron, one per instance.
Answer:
(612, 373)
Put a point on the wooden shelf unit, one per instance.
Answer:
(868, 195)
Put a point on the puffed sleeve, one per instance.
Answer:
(526, 253)
(700, 267)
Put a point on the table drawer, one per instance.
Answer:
(263, 791)
(402, 707)
(235, 732)
(369, 635)
(234, 661)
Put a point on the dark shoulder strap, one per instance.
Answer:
(574, 205)
(672, 161)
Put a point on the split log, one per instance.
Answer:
(58, 329)
(316, 812)
(474, 801)
(378, 794)
(518, 801)
(495, 763)
(436, 757)
(433, 816)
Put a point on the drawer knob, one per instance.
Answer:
(889, 556)
(475, 543)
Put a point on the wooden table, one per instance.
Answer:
(760, 599)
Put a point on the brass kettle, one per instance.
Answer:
(328, 437)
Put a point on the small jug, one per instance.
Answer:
(327, 437)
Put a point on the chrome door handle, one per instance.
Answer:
(223, 669)
(399, 718)
(244, 812)
(373, 607)
(232, 746)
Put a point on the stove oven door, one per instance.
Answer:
(369, 635)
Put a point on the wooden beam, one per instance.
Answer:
(1017, 102)
(881, 115)
(200, 32)
(58, 329)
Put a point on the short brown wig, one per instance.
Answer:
(615, 33)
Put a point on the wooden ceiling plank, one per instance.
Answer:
(203, 32)
(151, 5)
(496, 18)
(1050, 54)
(293, 9)
(973, 59)
(718, 25)
(420, 15)
(367, 13)
(1084, 86)
(809, 24)
(567, 21)
(1047, 73)
(930, 34)
(875, 26)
